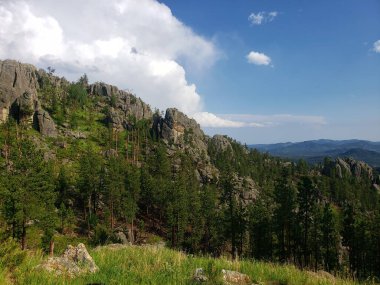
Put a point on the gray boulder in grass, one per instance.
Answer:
(75, 261)
(235, 278)
(200, 275)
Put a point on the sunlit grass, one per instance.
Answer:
(153, 265)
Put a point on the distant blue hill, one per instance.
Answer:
(314, 151)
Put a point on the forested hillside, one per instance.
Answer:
(95, 162)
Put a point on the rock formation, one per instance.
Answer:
(349, 166)
(125, 107)
(200, 276)
(16, 79)
(19, 84)
(182, 133)
(235, 278)
(221, 143)
(75, 261)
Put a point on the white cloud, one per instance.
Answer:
(262, 17)
(258, 58)
(210, 120)
(275, 119)
(206, 119)
(376, 46)
(133, 44)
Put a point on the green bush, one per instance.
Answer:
(101, 235)
(10, 254)
(77, 95)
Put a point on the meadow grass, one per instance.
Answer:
(153, 265)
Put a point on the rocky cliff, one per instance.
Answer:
(19, 85)
(20, 98)
(124, 106)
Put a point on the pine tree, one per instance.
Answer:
(307, 201)
(131, 195)
(90, 166)
(331, 238)
(29, 194)
(285, 215)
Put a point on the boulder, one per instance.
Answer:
(200, 276)
(44, 123)
(74, 262)
(235, 278)
(122, 237)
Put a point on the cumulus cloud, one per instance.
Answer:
(262, 17)
(274, 120)
(210, 120)
(134, 44)
(376, 46)
(258, 58)
(206, 119)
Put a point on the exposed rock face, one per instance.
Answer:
(246, 189)
(44, 123)
(180, 132)
(24, 107)
(122, 237)
(350, 166)
(342, 167)
(178, 128)
(235, 278)
(15, 79)
(125, 106)
(75, 261)
(18, 96)
(221, 143)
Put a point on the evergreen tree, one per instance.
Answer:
(307, 201)
(285, 216)
(331, 238)
(29, 193)
(131, 195)
(90, 166)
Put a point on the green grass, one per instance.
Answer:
(152, 265)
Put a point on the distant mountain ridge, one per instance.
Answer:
(314, 151)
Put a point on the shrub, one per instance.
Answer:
(10, 254)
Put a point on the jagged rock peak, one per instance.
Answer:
(124, 105)
(15, 79)
(176, 125)
(221, 143)
(349, 166)
(19, 83)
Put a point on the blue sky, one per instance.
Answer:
(323, 65)
(260, 71)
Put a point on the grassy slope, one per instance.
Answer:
(152, 265)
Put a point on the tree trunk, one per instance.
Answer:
(133, 232)
(112, 222)
(89, 216)
(51, 247)
(23, 236)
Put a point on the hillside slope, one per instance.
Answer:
(156, 265)
(91, 162)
